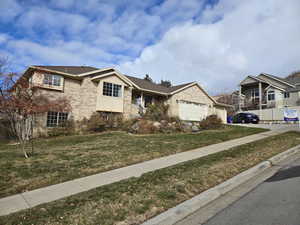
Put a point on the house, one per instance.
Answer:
(269, 91)
(233, 99)
(90, 90)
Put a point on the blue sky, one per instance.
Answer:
(213, 42)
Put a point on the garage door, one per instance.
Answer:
(192, 111)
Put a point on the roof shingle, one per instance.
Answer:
(145, 84)
(142, 83)
(74, 70)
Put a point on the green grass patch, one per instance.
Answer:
(64, 158)
(135, 200)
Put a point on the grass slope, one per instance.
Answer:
(135, 200)
(66, 158)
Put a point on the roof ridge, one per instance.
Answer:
(279, 78)
(63, 66)
(159, 84)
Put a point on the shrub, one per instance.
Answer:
(127, 124)
(211, 122)
(112, 120)
(68, 128)
(146, 127)
(5, 131)
(174, 119)
(96, 123)
(157, 112)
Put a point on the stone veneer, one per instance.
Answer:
(192, 94)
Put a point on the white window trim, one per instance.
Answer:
(57, 119)
(273, 93)
(52, 80)
(120, 93)
(286, 94)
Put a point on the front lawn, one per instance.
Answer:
(132, 201)
(64, 158)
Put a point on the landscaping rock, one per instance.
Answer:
(135, 127)
(164, 121)
(157, 124)
(195, 128)
(187, 126)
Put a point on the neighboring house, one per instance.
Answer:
(92, 90)
(269, 91)
(233, 99)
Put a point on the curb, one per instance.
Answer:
(281, 156)
(186, 208)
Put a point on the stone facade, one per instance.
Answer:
(128, 111)
(192, 94)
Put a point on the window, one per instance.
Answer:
(286, 94)
(55, 119)
(148, 100)
(255, 93)
(136, 98)
(271, 95)
(110, 89)
(117, 90)
(51, 79)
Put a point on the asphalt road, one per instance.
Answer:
(274, 202)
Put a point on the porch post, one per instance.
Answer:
(260, 99)
(142, 100)
(240, 98)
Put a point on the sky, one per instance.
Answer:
(215, 43)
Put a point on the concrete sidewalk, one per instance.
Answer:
(51, 193)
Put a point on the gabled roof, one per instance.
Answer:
(74, 70)
(281, 80)
(177, 87)
(271, 82)
(148, 85)
(78, 72)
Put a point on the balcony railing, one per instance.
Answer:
(253, 103)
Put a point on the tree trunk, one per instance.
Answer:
(23, 149)
(32, 146)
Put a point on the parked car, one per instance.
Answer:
(245, 118)
(229, 119)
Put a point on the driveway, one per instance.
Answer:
(273, 126)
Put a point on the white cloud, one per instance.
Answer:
(52, 21)
(59, 53)
(9, 10)
(230, 42)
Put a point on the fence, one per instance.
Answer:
(274, 114)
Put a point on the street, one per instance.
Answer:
(276, 201)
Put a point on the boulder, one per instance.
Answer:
(157, 124)
(135, 127)
(195, 128)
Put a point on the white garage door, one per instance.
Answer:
(192, 111)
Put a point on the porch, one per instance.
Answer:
(255, 96)
(140, 100)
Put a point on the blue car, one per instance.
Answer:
(245, 118)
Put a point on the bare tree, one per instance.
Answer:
(225, 98)
(21, 102)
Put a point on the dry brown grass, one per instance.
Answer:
(65, 158)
